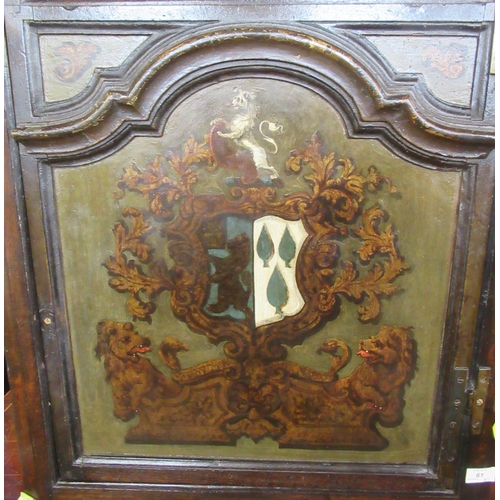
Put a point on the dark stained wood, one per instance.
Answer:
(13, 478)
(109, 492)
(21, 344)
(265, 476)
(481, 452)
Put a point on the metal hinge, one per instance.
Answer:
(477, 399)
(461, 395)
(455, 413)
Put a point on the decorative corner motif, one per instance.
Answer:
(76, 59)
(258, 267)
(449, 62)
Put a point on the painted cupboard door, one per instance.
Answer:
(254, 241)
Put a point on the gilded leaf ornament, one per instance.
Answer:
(127, 276)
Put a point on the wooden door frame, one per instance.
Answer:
(55, 467)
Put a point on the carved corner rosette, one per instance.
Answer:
(255, 391)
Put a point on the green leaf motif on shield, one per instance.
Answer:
(287, 247)
(277, 292)
(265, 247)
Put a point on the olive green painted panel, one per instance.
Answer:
(422, 213)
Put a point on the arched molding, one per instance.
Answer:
(373, 102)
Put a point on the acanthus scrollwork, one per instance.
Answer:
(255, 391)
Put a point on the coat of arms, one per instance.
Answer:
(257, 267)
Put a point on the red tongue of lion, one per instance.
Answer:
(365, 354)
(140, 349)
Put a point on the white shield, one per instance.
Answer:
(276, 247)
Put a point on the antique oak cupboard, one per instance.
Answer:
(248, 247)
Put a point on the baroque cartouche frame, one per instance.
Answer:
(333, 60)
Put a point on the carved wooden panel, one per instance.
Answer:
(256, 247)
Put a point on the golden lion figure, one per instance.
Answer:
(389, 364)
(132, 377)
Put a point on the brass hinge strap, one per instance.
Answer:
(478, 399)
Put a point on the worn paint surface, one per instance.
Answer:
(447, 63)
(69, 61)
(423, 212)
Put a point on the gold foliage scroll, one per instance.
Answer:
(343, 188)
(254, 390)
(337, 187)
